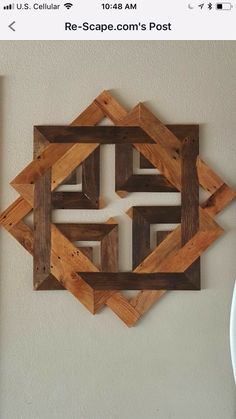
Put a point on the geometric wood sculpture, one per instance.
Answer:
(174, 264)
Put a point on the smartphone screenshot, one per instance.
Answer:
(117, 209)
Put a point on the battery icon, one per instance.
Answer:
(224, 6)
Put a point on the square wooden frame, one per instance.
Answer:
(177, 254)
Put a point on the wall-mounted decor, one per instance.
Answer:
(174, 264)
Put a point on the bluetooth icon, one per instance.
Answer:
(209, 6)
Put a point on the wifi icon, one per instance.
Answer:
(68, 5)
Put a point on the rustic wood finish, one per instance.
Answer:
(180, 131)
(190, 189)
(42, 228)
(142, 218)
(101, 135)
(190, 197)
(134, 281)
(126, 181)
(177, 252)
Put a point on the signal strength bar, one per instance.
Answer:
(9, 7)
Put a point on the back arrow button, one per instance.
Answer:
(11, 26)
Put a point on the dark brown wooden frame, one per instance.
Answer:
(187, 214)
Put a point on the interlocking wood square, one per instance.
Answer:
(174, 264)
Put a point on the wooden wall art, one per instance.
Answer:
(175, 262)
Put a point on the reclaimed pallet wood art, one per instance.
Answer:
(60, 152)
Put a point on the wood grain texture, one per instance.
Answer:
(180, 131)
(134, 281)
(123, 164)
(148, 183)
(160, 214)
(24, 183)
(85, 231)
(109, 251)
(92, 115)
(69, 161)
(129, 311)
(89, 197)
(219, 200)
(110, 107)
(144, 300)
(71, 200)
(140, 238)
(165, 153)
(24, 235)
(190, 199)
(99, 134)
(66, 260)
(190, 189)
(42, 228)
(123, 309)
(44, 161)
(161, 235)
(91, 178)
(126, 181)
(169, 256)
(14, 213)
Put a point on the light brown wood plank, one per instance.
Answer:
(169, 256)
(208, 179)
(66, 260)
(60, 170)
(144, 300)
(165, 154)
(123, 309)
(44, 161)
(24, 235)
(110, 107)
(69, 161)
(92, 115)
(14, 213)
(219, 200)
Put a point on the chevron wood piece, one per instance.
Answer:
(106, 234)
(89, 197)
(178, 251)
(126, 181)
(142, 218)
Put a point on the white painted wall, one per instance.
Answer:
(57, 361)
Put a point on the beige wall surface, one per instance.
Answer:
(56, 360)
